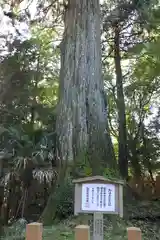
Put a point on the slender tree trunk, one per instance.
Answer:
(81, 122)
(1, 168)
(122, 139)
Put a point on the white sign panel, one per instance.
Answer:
(98, 197)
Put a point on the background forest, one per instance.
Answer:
(53, 130)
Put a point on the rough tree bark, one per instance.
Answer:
(81, 121)
(122, 132)
(81, 129)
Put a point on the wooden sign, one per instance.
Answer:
(98, 194)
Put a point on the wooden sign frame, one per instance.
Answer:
(98, 180)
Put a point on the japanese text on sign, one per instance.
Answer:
(98, 197)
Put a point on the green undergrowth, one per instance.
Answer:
(143, 215)
(114, 230)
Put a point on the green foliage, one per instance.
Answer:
(16, 231)
(115, 228)
(111, 174)
(65, 199)
(30, 79)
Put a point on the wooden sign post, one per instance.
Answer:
(98, 195)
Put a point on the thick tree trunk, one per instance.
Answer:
(122, 138)
(81, 122)
(81, 128)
